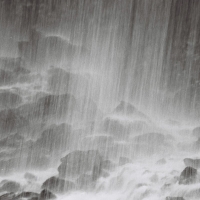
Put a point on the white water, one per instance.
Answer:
(102, 52)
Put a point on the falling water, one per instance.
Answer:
(100, 99)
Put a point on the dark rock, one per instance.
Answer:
(10, 186)
(27, 195)
(49, 107)
(124, 160)
(30, 177)
(11, 121)
(188, 176)
(9, 99)
(196, 132)
(174, 198)
(85, 181)
(46, 194)
(80, 162)
(56, 184)
(8, 196)
(12, 141)
(107, 165)
(189, 162)
(55, 138)
(6, 77)
(116, 127)
(129, 109)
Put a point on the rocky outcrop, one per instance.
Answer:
(188, 176)
(58, 185)
(9, 99)
(196, 132)
(77, 163)
(9, 186)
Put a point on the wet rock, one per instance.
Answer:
(6, 78)
(116, 127)
(107, 165)
(11, 121)
(10, 186)
(80, 162)
(161, 162)
(27, 195)
(9, 99)
(49, 107)
(85, 181)
(56, 138)
(128, 109)
(124, 160)
(46, 194)
(30, 177)
(8, 196)
(174, 198)
(150, 143)
(189, 162)
(196, 132)
(59, 185)
(100, 142)
(188, 176)
(12, 141)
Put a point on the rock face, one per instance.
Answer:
(188, 176)
(8, 196)
(27, 195)
(196, 132)
(55, 138)
(50, 106)
(189, 162)
(77, 163)
(59, 185)
(9, 186)
(128, 109)
(11, 121)
(9, 99)
(46, 194)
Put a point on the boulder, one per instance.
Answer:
(8, 196)
(188, 176)
(27, 195)
(49, 107)
(128, 109)
(189, 162)
(80, 162)
(107, 165)
(12, 121)
(55, 137)
(46, 194)
(59, 185)
(12, 141)
(30, 177)
(9, 99)
(116, 127)
(6, 78)
(9, 186)
(85, 181)
(196, 132)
